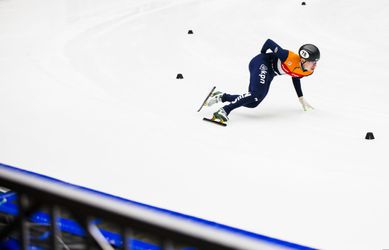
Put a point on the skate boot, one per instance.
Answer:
(214, 98)
(220, 115)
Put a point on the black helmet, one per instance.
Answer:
(309, 52)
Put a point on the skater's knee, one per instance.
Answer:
(253, 104)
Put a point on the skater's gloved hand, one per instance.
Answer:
(305, 104)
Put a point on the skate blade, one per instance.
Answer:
(216, 121)
(206, 99)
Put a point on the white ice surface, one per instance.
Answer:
(89, 96)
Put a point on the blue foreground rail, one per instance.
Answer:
(67, 226)
(168, 226)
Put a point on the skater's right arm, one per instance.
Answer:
(279, 52)
(297, 86)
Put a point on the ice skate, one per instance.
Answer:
(211, 99)
(220, 115)
(215, 97)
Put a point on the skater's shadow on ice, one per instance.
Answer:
(279, 114)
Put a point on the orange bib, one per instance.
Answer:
(292, 66)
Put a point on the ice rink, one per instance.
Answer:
(89, 96)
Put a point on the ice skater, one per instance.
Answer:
(263, 68)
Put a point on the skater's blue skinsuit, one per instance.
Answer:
(263, 68)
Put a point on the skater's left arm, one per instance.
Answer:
(297, 86)
(279, 52)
